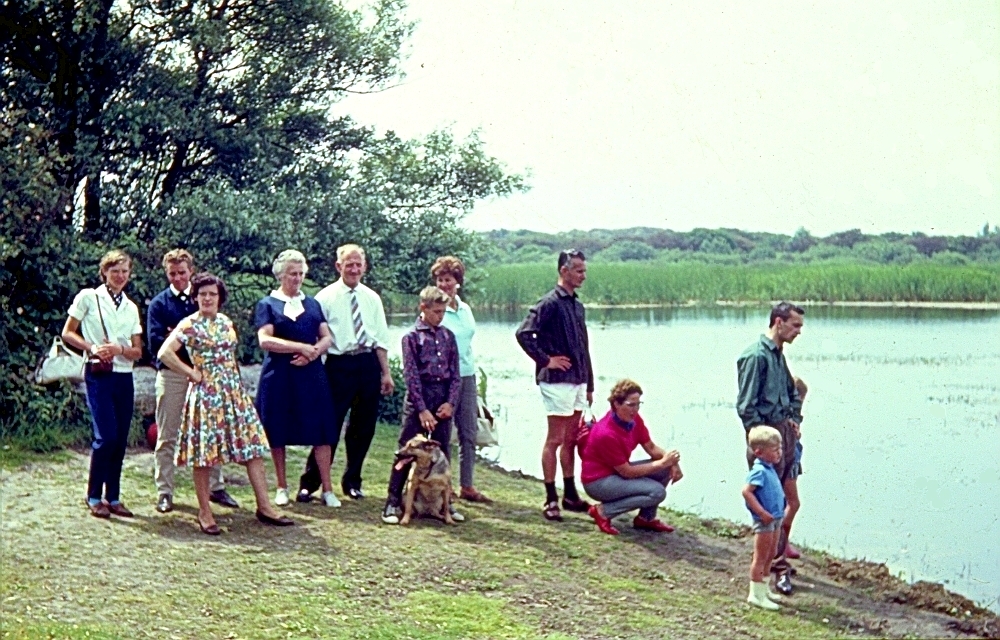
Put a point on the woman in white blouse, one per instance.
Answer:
(104, 323)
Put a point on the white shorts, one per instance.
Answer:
(563, 398)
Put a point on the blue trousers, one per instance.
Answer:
(110, 397)
(619, 495)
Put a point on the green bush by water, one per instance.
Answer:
(650, 283)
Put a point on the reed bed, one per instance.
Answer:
(680, 283)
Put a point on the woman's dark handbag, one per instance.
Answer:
(96, 366)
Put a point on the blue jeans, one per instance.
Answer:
(619, 495)
(110, 398)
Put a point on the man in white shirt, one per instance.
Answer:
(357, 367)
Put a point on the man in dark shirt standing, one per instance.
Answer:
(767, 396)
(169, 307)
(554, 335)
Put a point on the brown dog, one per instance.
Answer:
(428, 490)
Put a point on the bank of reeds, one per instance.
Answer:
(652, 283)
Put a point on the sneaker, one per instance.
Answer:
(330, 500)
(281, 497)
(456, 515)
(391, 513)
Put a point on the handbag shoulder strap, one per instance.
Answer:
(101, 316)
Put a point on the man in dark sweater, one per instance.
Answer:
(168, 308)
(554, 335)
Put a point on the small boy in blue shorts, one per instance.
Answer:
(765, 499)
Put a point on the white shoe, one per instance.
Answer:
(772, 596)
(281, 497)
(330, 500)
(457, 516)
(758, 597)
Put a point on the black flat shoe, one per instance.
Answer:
(280, 521)
(222, 497)
(354, 493)
(303, 496)
(165, 503)
(211, 530)
(579, 506)
(784, 584)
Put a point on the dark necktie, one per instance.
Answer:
(117, 297)
(183, 297)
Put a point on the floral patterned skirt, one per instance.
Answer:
(220, 423)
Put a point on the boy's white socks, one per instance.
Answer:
(758, 596)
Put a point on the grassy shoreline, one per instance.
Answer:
(505, 573)
(656, 284)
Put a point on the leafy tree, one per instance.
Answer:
(801, 241)
(626, 251)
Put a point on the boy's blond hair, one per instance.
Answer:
(433, 295)
(175, 256)
(763, 436)
(800, 386)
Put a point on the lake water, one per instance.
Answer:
(901, 429)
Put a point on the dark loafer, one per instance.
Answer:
(304, 495)
(784, 584)
(120, 510)
(223, 498)
(99, 510)
(211, 530)
(165, 503)
(280, 521)
(579, 506)
(354, 493)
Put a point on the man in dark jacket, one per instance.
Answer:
(554, 335)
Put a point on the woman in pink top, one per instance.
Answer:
(608, 475)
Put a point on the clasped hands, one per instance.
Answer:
(307, 353)
(429, 420)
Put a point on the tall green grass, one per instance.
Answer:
(639, 283)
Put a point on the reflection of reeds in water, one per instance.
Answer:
(932, 361)
(507, 286)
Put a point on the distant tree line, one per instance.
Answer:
(733, 246)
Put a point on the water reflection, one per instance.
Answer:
(902, 445)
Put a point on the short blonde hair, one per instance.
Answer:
(113, 258)
(763, 436)
(287, 257)
(433, 295)
(449, 265)
(800, 386)
(345, 250)
(175, 256)
(622, 390)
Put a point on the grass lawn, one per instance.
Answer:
(340, 573)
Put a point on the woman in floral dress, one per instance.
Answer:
(220, 423)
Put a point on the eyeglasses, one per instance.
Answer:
(568, 254)
(633, 405)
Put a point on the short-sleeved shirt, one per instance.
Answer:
(462, 323)
(610, 445)
(767, 488)
(122, 322)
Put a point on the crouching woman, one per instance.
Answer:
(610, 477)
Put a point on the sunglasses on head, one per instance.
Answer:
(568, 254)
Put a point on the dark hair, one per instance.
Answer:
(784, 311)
(205, 279)
(568, 254)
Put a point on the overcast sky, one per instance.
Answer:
(759, 115)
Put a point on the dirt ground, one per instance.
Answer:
(693, 581)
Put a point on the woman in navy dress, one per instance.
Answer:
(293, 398)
